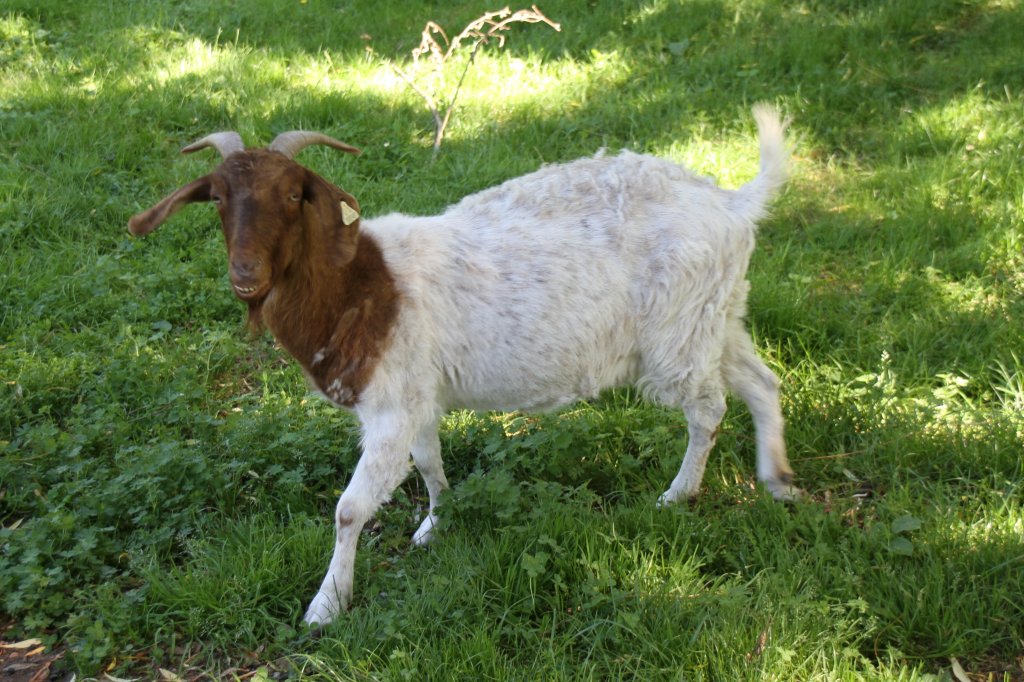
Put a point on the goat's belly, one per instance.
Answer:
(544, 386)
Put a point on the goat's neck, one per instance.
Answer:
(335, 321)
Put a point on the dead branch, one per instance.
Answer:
(490, 25)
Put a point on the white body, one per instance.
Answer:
(549, 288)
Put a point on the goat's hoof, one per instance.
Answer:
(314, 632)
(425, 533)
(783, 490)
(670, 498)
(322, 610)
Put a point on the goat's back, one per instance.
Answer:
(580, 276)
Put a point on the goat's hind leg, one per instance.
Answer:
(704, 413)
(426, 454)
(746, 375)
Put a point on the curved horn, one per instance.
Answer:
(227, 143)
(294, 141)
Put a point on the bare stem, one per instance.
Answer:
(439, 131)
(480, 31)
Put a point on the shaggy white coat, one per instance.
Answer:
(551, 287)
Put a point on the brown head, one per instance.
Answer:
(272, 210)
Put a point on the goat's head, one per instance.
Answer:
(272, 210)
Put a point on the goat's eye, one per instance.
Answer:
(294, 197)
(216, 198)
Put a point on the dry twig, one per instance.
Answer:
(436, 56)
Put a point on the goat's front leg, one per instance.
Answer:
(383, 465)
(426, 454)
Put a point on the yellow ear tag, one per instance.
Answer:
(348, 214)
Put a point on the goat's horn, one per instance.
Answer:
(227, 143)
(294, 141)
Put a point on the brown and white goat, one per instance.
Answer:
(530, 295)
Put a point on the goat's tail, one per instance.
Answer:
(752, 198)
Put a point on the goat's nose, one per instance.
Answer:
(245, 269)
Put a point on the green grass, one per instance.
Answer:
(166, 483)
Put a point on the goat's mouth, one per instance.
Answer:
(250, 292)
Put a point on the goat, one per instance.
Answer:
(543, 290)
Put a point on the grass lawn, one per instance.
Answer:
(167, 483)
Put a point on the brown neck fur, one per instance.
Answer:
(335, 321)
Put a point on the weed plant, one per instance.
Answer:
(166, 482)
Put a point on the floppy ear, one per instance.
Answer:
(150, 219)
(334, 213)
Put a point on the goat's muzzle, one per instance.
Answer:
(249, 278)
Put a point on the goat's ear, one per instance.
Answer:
(150, 219)
(334, 213)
